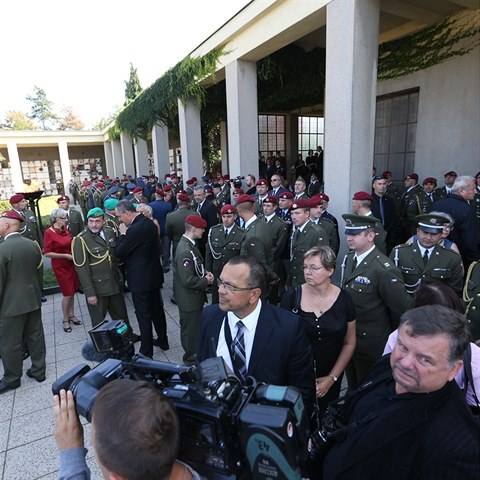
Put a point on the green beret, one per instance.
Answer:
(110, 203)
(95, 213)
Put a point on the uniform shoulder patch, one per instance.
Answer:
(186, 262)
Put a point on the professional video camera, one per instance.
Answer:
(237, 181)
(228, 430)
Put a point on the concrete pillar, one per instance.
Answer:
(224, 147)
(242, 117)
(190, 138)
(127, 154)
(65, 166)
(107, 148)
(350, 88)
(118, 170)
(291, 142)
(141, 157)
(161, 155)
(15, 167)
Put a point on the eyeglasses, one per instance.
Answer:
(62, 218)
(231, 288)
(312, 268)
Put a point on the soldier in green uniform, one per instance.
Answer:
(471, 297)
(258, 237)
(97, 269)
(406, 219)
(260, 196)
(424, 258)
(30, 228)
(175, 222)
(377, 290)
(75, 221)
(224, 242)
(110, 218)
(423, 199)
(190, 283)
(20, 303)
(305, 235)
(331, 229)
(83, 198)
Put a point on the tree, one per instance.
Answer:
(70, 121)
(42, 108)
(15, 120)
(132, 87)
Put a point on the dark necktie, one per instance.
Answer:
(238, 350)
(354, 264)
(225, 232)
(293, 241)
(382, 214)
(425, 257)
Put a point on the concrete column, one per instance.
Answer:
(190, 138)
(161, 155)
(65, 166)
(15, 167)
(127, 154)
(118, 170)
(141, 157)
(107, 148)
(242, 117)
(224, 147)
(352, 36)
(291, 143)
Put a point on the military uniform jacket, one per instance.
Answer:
(378, 292)
(221, 248)
(443, 264)
(332, 233)
(258, 243)
(423, 203)
(75, 222)
(279, 237)
(112, 222)
(190, 283)
(96, 264)
(29, 228)
(471, 296)
(20, 276)
(311, 235)
(175, 226)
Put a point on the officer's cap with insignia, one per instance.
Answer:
(110, 204)
(95, 213)
(300, 204)
(431, 223)
(227, 210)
(355, 224)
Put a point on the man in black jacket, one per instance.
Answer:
(409, 420)
(137, 245)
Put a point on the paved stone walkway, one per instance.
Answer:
(27, 446)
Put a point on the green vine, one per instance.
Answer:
(455, 36)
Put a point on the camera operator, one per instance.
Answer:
(409, 419)
(135, 433)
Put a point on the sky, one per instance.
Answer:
(80, 52)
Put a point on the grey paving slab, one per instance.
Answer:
(6, 405)
(30, 427)
(4, 432)
(33, 399)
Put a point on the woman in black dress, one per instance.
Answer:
(328, 316)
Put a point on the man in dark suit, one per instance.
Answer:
(160, 210)
(137, 245)
(255, 338)
(277, 187)
(411, 419)
(207, 210)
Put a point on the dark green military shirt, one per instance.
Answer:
(221, 248)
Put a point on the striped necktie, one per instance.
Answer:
(238, 350)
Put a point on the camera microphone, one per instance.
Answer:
(90, 353)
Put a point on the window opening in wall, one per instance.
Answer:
(271, 135)
(311, 134)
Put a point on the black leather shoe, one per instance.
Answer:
(4, 388)
(44, 299)
(40, 379)
(162, 344)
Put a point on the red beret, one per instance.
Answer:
(167, 175)
(262, 181)
(99, 184)
(194, 179)
(413, 176)
(227, 209)
(324, 196)
(226, 177)
(17, 198)
(159, 191)
(300, 204)
(137, 189)
(183, 197)
(12, 215)
(286, 195)
(362, 196)
(386, 173)
(196, 221)
(180, 190)
(245, 198)
(239, 191)
(208, 190)
(430, 180)
(190, 182)
(62, 198)
(451, 173)
(271, 199)
(167, 188)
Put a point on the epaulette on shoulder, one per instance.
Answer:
(384, 261)
(402, 245)
(82, 233)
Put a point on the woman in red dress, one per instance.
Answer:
(57, 246)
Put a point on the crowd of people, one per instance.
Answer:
(266, 252)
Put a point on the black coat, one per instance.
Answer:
(429, 436)
(139, 248)
(281, 353)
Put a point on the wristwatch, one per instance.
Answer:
(333, 377)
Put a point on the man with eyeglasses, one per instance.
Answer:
(277, 187)
(253, 337)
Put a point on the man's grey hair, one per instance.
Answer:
(125, 206)
(462, 182)
(57, 212)
(199, 188)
